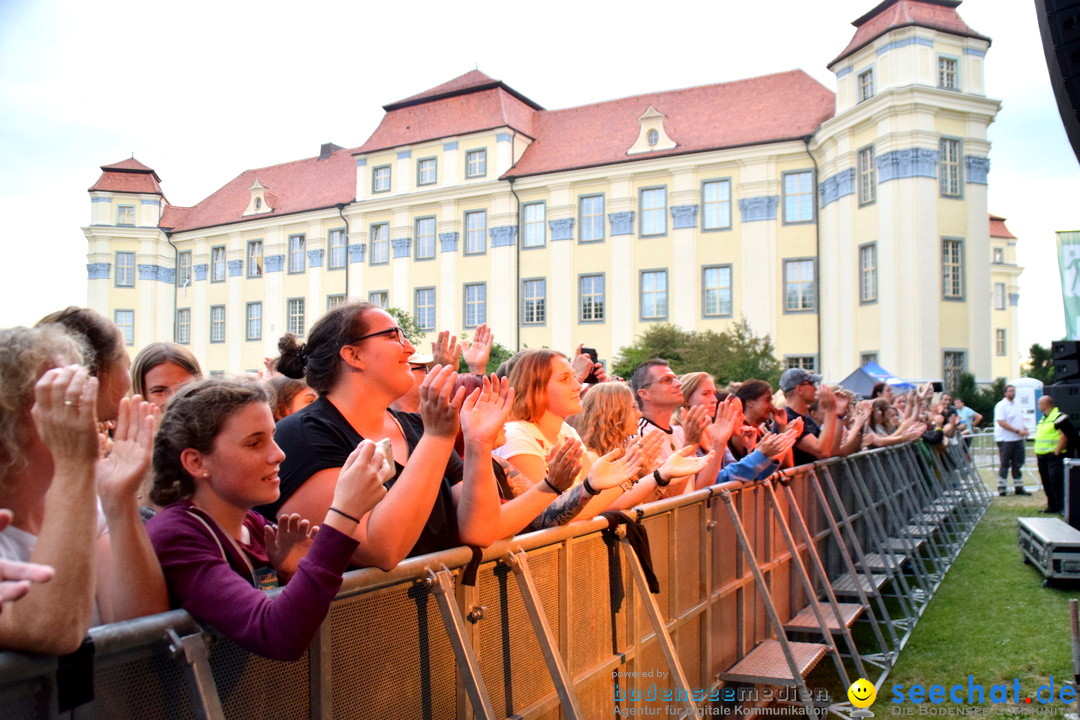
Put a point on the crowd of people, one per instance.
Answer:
(133, 487)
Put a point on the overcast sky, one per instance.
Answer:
(201, 91)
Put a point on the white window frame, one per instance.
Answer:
(867, 176)
(653, 295)
(951, 167)
(590, 218)
(217, 264)
(255, 259)
(295, 316)
(427, 171)
(380, 244)
(653, 214)
(475, 232)
(868, 275)
(717, 291)
(425, 241)
(381, 179)
(125, 269)
(217, 323)
(716, 204)
(591, 299)
(474, 296)
(948, 72)
(183, 269)
(125, 210)
(297, 253)
(182, 331)
(798, 188)
(253, 321)
(952, 268)
(800, 287)
(476, 163)
(534, 301)
(533, 224)
(424, 308)
(380, 298)
(125, 321)
(338, 242)
(864, 85)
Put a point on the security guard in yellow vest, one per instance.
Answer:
(1049, 446)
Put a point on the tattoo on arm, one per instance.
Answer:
(563, 509)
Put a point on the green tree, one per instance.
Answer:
(1040, 364)
(406, 322)
(980, 399)
(733, 355)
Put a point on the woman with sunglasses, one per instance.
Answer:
(357, 360)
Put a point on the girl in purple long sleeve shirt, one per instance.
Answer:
(214, 459)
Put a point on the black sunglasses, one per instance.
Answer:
(400, 335)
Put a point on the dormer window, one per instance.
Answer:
(651, 134)
(258, 202)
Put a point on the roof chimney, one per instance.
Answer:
(328, 149)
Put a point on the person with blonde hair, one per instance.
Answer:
(546, 393)
(71, 511)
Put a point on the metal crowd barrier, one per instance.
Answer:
(759, 582)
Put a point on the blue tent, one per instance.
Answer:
(862, 381)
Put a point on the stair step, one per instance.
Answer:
(877, 562)
(847, 585)
(806, 620)
(766, 664)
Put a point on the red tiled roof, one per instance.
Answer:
(128, 176)
(469, 81)
(893, 14)
(484, 108)
(785, 106)
(998, 229)
(297, 186)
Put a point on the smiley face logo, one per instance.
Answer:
(862, 693)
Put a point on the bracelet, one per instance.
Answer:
(554, 489)
(589, 488)
(660, 482)
(345, 515)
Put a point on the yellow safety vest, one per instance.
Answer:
(1046, 435)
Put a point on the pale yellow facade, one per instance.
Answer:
(872, 261)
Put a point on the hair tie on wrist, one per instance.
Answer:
(345, 515)
(589, 488)
(660, 482)
(556, 490)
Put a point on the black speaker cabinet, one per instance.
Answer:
(1059, 25)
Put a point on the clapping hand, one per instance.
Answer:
(484, 411)
(288, 542)
(478, 352)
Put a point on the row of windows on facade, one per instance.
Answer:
(950, 173)
(799, 281)
(716, 214)
(948, 78)
(427, 171)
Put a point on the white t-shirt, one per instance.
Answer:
(16, 544)
(1010, 413)
(525, 438)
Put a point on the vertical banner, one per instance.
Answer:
(1068, 244)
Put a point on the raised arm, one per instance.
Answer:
(130, 583)
(53, 618)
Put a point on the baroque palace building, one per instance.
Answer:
(849, 226)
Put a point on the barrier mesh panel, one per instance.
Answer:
(595, 622)
(141, 689)
(686, 573)
(688, 644)
(392, 657)
(511, 661)
(658, 528)
(252, 686)
(596, 696)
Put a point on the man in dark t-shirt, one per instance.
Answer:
(800, 388)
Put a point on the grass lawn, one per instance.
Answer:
(991, 617)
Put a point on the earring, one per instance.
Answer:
(206, 474)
